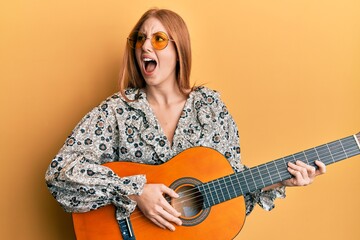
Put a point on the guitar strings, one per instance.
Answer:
(216, 199)
(199, 199)
(247, 174)
(311, 162)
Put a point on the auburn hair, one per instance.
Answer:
(130, 75)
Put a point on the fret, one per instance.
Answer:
(236, 176)
(351, 146)
(333, 160)
(227, 189)
(312, 156)
(285, 161)
(336, 151)
(242, 179)
(271, 180)
(249, 180)
(317, 154)
(218, 189)
(281, 168)
(228, 185)
(253, 180)
(300, 156)
(343, 148)
(215, 190)
(290, 158)
(233, 187)
(275, 173)
(210, 193)
(306, 159)
(329, 159)
(277, 170)
(223, 185)
(325, 154)
(265, 175)
(257, 174)
(207, 203)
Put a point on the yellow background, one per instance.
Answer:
(289, 71)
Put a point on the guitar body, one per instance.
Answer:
(199, 164)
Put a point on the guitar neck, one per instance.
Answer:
(249, 180)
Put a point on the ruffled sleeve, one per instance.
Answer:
(264, 199)
(76, 178)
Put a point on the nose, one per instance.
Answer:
(147, 46)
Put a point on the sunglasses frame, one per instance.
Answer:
(132, 41)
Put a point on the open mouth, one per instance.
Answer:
(149, 65)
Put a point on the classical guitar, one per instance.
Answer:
(210, 192)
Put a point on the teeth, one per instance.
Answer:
(148, 59)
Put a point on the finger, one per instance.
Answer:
(157, 223)
(308, 167)
(165, 203)
(305, 169)
(169, 208)
(311, 170)
(169, 191)
(163, 223)
(297, 174)
(299, 167)
(300, 178)
(322, 167)
(170, 217)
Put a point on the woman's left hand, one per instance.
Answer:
(303, 174)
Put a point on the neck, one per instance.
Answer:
(163, 95)
(249, 180)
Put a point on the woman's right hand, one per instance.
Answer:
(154, 206)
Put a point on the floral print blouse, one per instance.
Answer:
(120, 130)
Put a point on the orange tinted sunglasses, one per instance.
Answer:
(159, 40)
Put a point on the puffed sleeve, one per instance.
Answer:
(76, 178)
(224, 138)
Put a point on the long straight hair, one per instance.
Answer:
(130, 75)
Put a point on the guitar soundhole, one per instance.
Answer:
(190, 202)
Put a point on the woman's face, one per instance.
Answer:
(158, 67)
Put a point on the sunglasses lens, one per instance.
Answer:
(159, 40)
(132, 39)
(140, 39)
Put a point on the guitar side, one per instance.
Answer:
(222, 221)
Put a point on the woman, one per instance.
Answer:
(155, 116)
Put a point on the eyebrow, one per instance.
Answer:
(153, 30)
(144, 32)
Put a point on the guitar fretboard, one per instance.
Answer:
(249, 180)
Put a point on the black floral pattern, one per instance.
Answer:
(117, 130)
